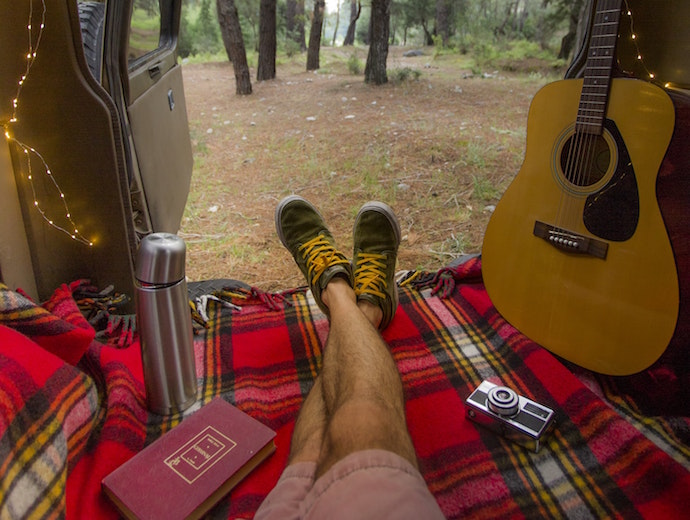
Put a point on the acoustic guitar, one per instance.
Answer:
(576, 255)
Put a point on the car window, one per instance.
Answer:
(145, 32)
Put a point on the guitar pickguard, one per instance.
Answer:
(613, 212)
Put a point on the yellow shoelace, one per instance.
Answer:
(370, 276)
(320, 255)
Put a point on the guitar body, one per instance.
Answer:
(611, 306)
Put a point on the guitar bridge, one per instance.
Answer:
(570, 242)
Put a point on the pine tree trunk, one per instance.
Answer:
(315, 35)
(266, 68)
(234, 44)
(355, 10)
(375, 70)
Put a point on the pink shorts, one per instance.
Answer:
(365, 484)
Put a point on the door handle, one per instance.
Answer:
(154, 72)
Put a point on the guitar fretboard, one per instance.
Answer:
(599, 67)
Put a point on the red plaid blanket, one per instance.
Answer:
(63, 428)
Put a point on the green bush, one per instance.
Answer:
(485, 53)
(524, 49)
(291, 47)
(354, 65)
(404, 74)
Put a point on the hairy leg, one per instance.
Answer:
(307, 436)
(361, 388)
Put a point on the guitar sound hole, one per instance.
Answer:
(585, 159)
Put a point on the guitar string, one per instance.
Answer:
(597, 103)
(567, 206)
(581, 153)
(612, 18)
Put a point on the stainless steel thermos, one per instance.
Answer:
(164, 322)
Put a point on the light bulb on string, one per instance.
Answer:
(33, 44)
(633, 37)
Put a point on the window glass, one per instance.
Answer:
(145, 29)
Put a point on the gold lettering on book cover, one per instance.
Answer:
(200, 454)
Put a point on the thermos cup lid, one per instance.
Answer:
(160, 259)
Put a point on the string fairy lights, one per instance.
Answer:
(35, 33)
(634, 39)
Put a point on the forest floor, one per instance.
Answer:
(439, 143)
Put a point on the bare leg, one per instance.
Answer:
(310, 426)
(307, 437)
(360, 384)
(357, 402)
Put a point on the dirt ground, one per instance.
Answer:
(440, 149)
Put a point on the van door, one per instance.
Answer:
(157, 111)
(96, 140)
(141, 72)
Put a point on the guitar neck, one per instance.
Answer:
(599, 67)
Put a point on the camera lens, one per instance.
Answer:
(503, 401)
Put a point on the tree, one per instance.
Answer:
(375, 69)
(419, 12)
(150, 6)
(355, 11)
(315, 35)
(266, 68)
(294, 22)
(234, 44)
(249, 14)
(571, 10)
(443, 20)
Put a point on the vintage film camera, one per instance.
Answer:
(503, 411)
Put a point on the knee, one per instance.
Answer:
(365, 425)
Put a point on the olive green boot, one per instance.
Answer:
(303, 232)
(376, 240)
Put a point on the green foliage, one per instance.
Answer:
(199, 29)
(185, 44)
(362, 28)
(150, 6)
(354, 65)
(493, 33)
(513, 55)
(438, 45)
(524, 49)
(478, 22)
(397, 76)
(485, 53)
(290, 47)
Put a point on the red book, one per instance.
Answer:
(190, 468)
